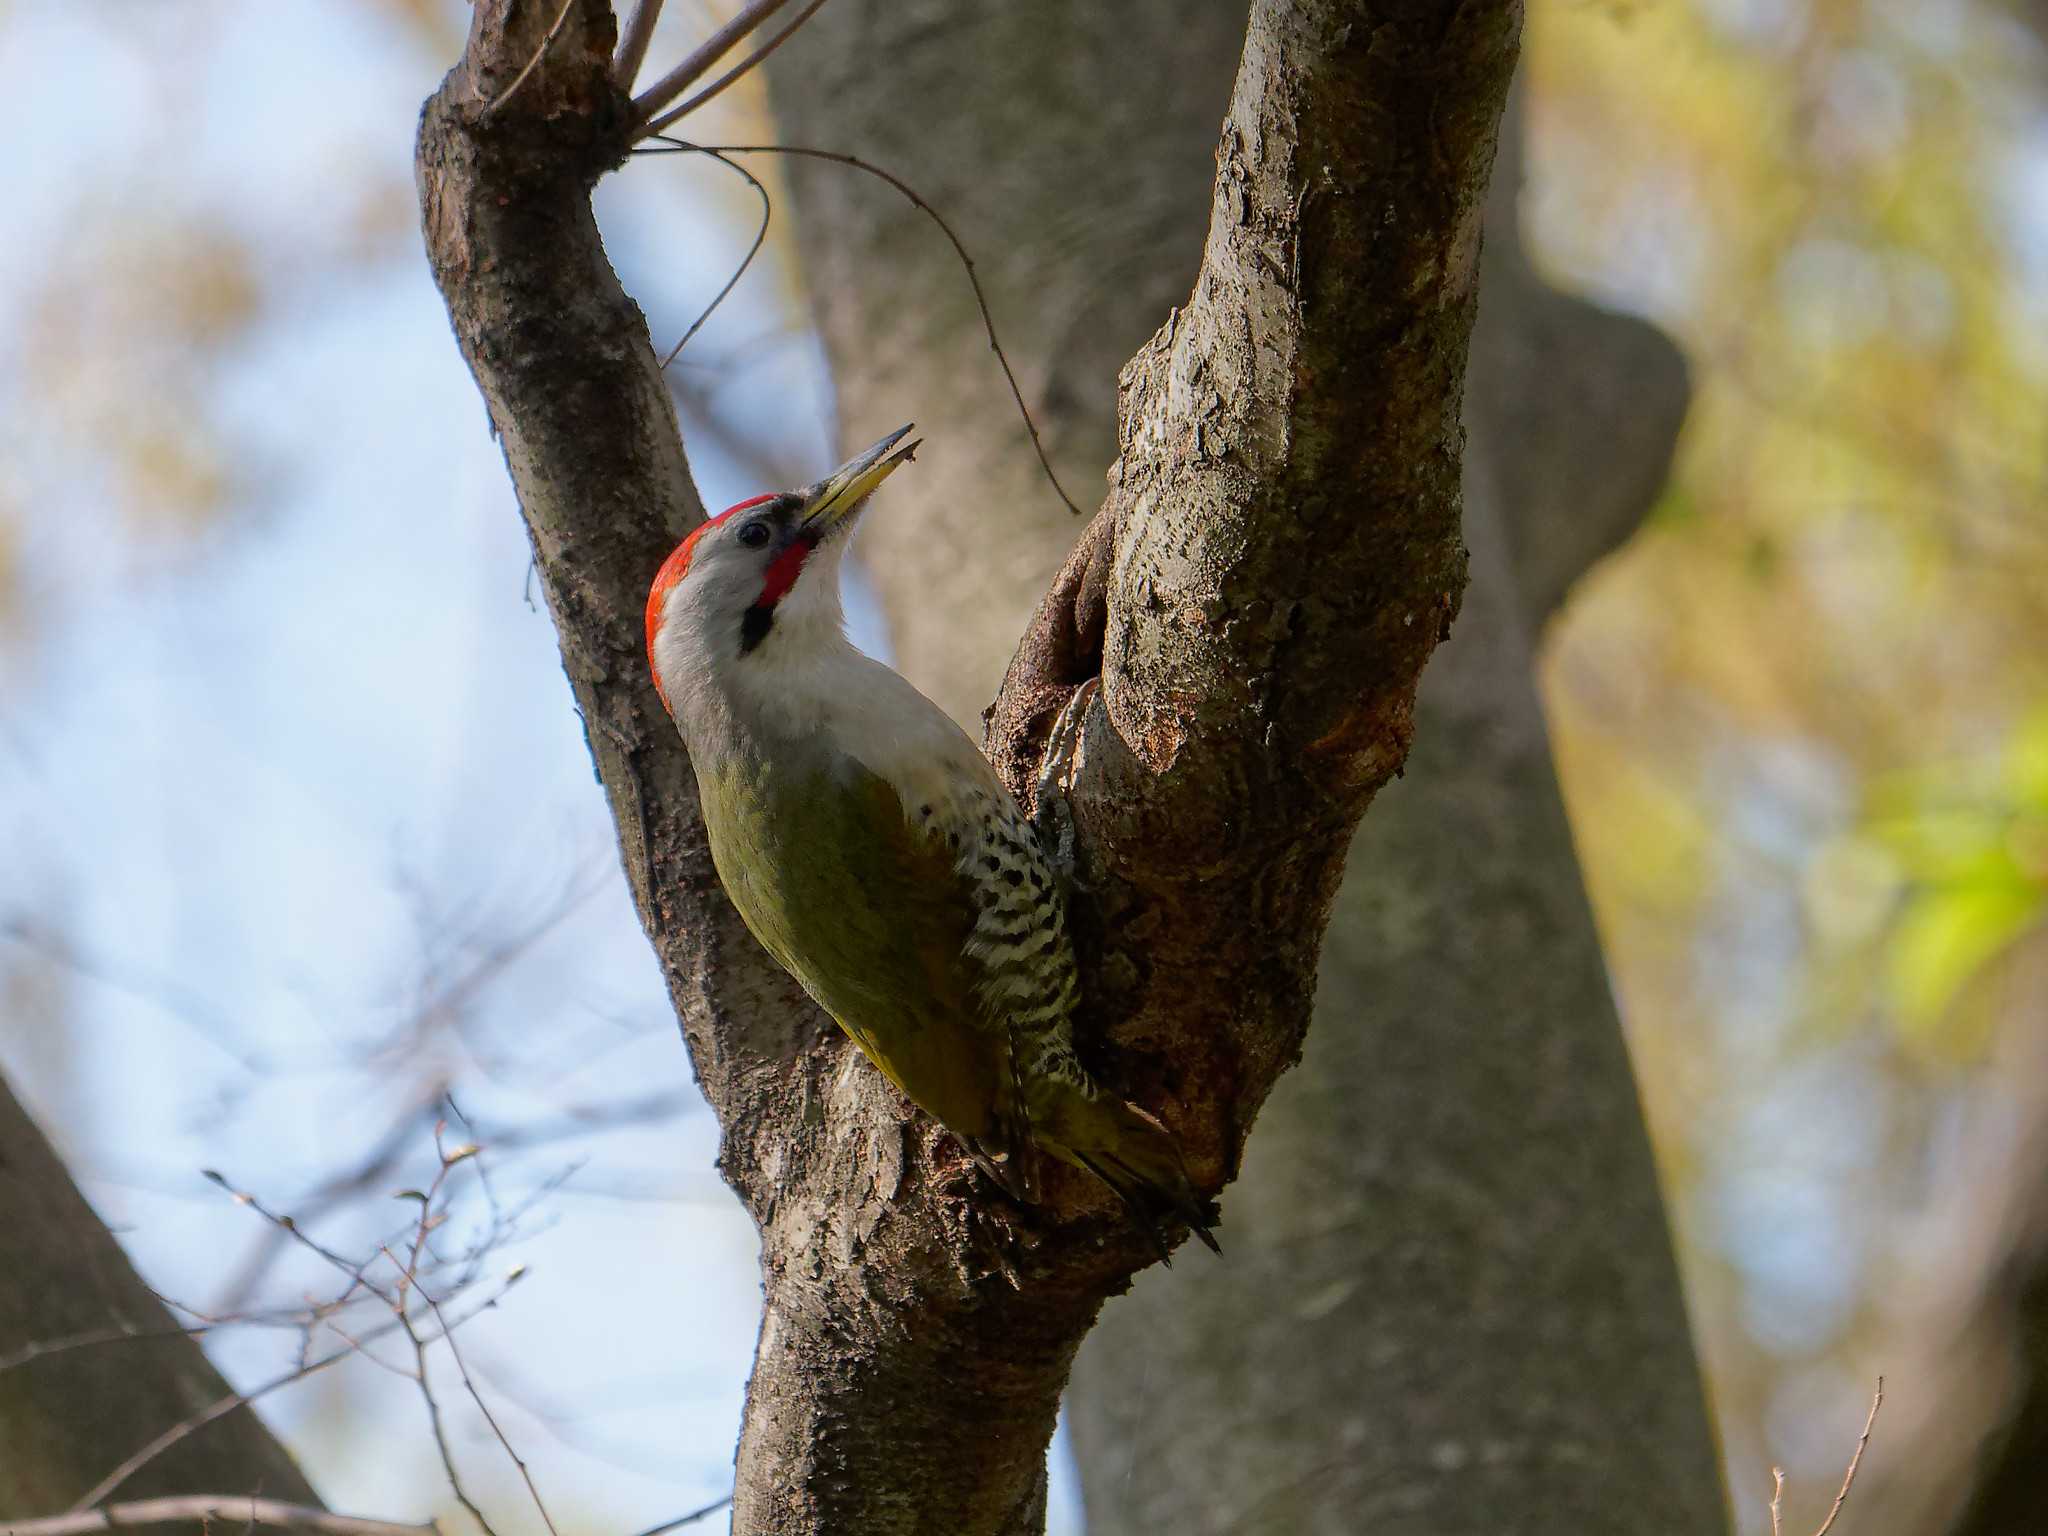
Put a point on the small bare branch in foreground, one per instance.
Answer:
(702, 57)
(211, 1506)
(633, 43)
(1848, 1477)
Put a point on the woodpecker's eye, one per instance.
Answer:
(753, 535)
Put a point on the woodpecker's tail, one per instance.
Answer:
(1141, 1163)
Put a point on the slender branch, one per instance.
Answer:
(633, 45)
(223, 1406)
(1848, 1477)
(1855, 1461)
(211, 1506)
(37, 1348)
(440, 1429)
(408, 1281)
(280, 1221)
(484, 1408)
(690, 1519)
(677, 114)
(702, 57)
(746, 261)
(218, 1409)
(966, 261)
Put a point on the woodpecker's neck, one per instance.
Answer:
(805, 701)
(788, 689)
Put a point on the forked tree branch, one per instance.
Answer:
(1278, 558)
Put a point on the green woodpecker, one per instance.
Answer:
(875, 855)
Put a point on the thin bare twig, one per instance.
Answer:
(547, 42)
(702, 57)
(444, 1004)
(633, 44)
(691, 1518)
(746, 261)
(37, 1348)
(484, 1408)
(468, 1383)
(409, 1283)
(211, 1506)
(281, 1222)
(177, 1432)
(675, 146)
(419, 1353)
(1855, 1461)
(159, 991)
(226, 1405)
(1848, 1477)
(677, 114)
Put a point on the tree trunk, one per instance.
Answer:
(1453, 1305)
(1966, 1375)
(1080, 183)
(68, 1416)
(2012, 1477)
(1458, 1179)
(1253, 607)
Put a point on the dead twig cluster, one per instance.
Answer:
(354, 1313)
(418, 1283)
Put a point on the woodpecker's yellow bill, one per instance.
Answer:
(844, 489)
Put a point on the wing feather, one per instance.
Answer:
(862, 901)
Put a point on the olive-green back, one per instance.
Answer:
(870, 915)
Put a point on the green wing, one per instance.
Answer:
(869, 913)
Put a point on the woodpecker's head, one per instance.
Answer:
(761, 578)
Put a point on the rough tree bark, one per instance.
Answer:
(69, 1416)
(1458, 1177)
(1278, 558)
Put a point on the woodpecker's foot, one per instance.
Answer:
(1052, 812)
(993, 1224)
(996, 1233)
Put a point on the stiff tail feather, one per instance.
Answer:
(1143, 1168)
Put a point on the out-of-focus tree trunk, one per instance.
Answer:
(69, 1416)
(1967, 1387)
(2012, 1484)
(1450, 1300)
(1076, 163)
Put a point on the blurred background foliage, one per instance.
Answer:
(1802, 720)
